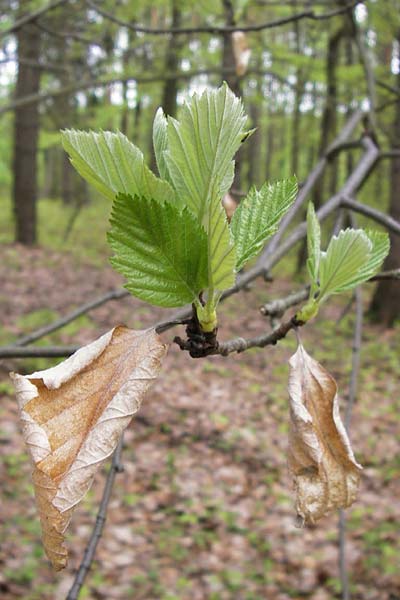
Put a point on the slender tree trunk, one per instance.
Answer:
(233, 80)
(26, 131)
(254, 145)
(385, 304)
(329, 116)
(170, 91)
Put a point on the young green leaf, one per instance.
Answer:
(161, 250)
(380, 249)
(257, 217)
(112, 164)
(313, 246)
(201, 146)
(341, 265)
(160, 142)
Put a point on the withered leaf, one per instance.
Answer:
(326, 474)
(241, 52)
(73, 416)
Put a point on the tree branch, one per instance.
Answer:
(270, 339)
(339, 143)
(372, 213)
(276, 308)
(97, 83)
(31, 17)
(81, 310)
(306, 14)
(116, 467)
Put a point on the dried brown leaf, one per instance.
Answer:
(241, 52)
(321, 460)
(73, 416)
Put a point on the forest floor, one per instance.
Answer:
(204, 507)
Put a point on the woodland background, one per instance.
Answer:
(203, 509)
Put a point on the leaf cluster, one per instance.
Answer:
(352, 257)
(170, 234)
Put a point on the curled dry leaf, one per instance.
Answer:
(73, 416)
(241, 52)
(230, 205)
(321, 460)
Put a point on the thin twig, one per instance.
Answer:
(339, 143)
(392, 274)
(81, 310)
(276, 308)
(270, 339)
(86, 84)
(306, 14)
(357, 338)
(372, 213)
(116, 467)
(31, 17)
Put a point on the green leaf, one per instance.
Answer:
(160, 142)
(257, 217)
(201, 146)
(112, 164)
(161, 250)
(313, 245)
(380, 249)
(341, 266)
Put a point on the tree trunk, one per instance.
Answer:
(385, 304)
(170, 91)
(228, 75)
(26, 131)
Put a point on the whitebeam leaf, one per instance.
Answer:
(201, 146)
(340, 265)
(112, 164)
(257, 217)
(160, 142)
(326, 474)
(73, 416)
(313, 246)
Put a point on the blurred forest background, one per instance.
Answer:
(178, 528)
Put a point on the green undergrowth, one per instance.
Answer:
(87, 240)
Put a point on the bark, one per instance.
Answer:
(229, 75)
(26, 131)
(170, 91)
(385, 305)
(329, 116)
(254, 145)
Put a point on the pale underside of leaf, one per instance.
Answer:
(326, 474)
(257, 217)
(73, 416)
(161, 250)
(160, 142)
(313, 243)
(347, 254)
(112, 164)
(380, 249)
(201, 146)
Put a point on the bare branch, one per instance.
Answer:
(306, 14)
(98, 83)
(81, 310)
(276, 308)
(116, 467)
(270, 339)
(341, 142)
(32, 17)
(372, 213)
(387, 275)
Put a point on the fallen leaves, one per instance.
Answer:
(321, 460)
(73, 415)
